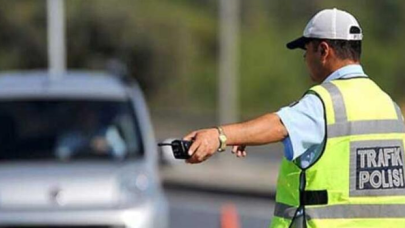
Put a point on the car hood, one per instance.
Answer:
(75, 185)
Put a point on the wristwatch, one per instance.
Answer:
(222, 140)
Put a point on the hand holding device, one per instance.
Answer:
(179, 147)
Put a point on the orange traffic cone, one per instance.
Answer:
(229, 216)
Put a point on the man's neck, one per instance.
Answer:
(336, 65)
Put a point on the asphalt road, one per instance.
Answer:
(201, 209)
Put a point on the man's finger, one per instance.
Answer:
(239, 148)
(242, 147)
(197, 155)
(194, 147)
(240, 151)
(200, 155)
(190, 136)
(234, 149)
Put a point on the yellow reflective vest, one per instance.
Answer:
(358, 180)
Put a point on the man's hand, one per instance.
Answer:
(206, 143)
(240, 151)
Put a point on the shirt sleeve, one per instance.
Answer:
(305, 124)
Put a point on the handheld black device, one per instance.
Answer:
(180, 148)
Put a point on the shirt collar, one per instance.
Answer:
(348, 71)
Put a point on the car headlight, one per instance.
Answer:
(136, 188)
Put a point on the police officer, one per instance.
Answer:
(343, 163)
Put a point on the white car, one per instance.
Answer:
(77, 150)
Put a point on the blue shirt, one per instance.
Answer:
(305, 122)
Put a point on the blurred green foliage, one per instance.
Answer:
(171, 46)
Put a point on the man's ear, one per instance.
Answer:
(324, 49)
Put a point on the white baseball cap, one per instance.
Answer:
(331, 24)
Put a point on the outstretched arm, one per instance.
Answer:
(262, 130)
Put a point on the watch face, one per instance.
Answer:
(222, 138)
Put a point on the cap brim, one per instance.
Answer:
(298, 43)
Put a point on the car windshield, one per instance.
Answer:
(68, 130)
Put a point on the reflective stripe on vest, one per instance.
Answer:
(344, 211)
(365, 127)
(357, 211)
(284, 211)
